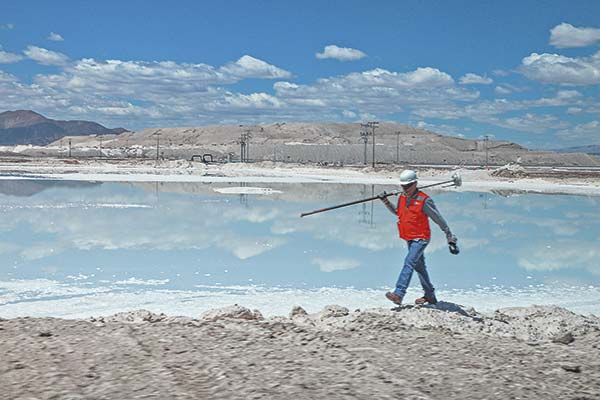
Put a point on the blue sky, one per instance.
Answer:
(525, 71)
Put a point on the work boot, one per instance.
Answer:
(425, 299)
(394, 298)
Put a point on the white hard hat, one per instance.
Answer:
(407, 177)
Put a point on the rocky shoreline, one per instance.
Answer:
(442, 351)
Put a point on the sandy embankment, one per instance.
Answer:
(416, 353)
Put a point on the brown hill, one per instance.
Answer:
(337, 143)
(29, 127)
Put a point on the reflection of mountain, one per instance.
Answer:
(311, 192)
(26, 188)
(291, 192)
(507, 192)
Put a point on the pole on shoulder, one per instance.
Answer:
(456, 181)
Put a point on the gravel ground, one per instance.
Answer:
(409, 352)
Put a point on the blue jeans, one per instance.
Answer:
(415, 260)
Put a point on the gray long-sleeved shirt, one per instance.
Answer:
(429, 209)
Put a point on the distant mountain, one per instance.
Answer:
(593, 149)
(28, 127)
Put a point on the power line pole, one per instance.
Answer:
(244, 145)
(364, 214)
(248, 136)
(486, 139)
(373, 125)
(157, 134)
(364, 137)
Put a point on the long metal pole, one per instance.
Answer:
(345, 204)
(455, 180)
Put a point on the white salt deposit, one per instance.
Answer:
(246, 190)
(80, 299)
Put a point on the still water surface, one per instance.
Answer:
(77, 249)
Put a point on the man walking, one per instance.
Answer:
(413, 212)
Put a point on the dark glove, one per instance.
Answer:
(382, 195)
(451, 239)
(453, 248)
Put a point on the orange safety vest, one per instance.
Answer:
(412, 221)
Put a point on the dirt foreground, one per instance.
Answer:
(431, 352)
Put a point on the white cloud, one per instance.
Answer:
(489, 111)
(162, 78)
(474, 79)
(530, 123)
(382, 82)
(6, 77)
(566, 36)
(6, 248)
(557, 69)
(507, 88)
(46, 57)
(589, 132)
(595, 109)
(55, 37)
(340, 53)
(244, 248)
(129, 91)
(212, 227)
(565, 254)
(43, 250)
(248, 101)
(562, 98)
(500, 72)
(7, 26)
(442, 128)
(167, 93)
(502, 90)
(367, 117)
(9, 58)
(348, 114)
(285, 86)
(444, 111)
(375, 92)
(334, 264)
(250, 67)
(255, 215)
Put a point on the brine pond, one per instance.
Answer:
(79, 249)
